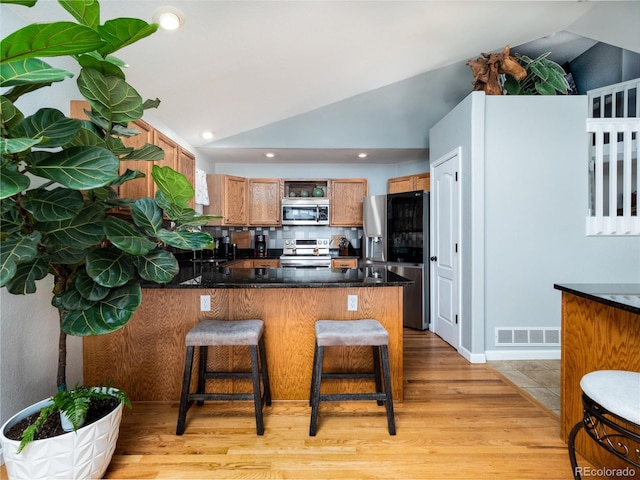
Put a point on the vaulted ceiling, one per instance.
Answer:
(237, 66)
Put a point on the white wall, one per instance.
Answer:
(524, 196)
(536, 187)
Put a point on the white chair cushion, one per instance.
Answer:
(616, 390)
(350, 332)
(222, 332)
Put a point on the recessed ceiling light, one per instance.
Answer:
(269, 155)
(207, 135)
(362, 155)
(169, 18)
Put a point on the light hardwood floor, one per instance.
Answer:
(458, 421)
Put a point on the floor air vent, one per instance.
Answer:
(528, 336)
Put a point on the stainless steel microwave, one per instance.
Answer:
(305, 211)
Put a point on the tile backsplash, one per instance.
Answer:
(277, 235)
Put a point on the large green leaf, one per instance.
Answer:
(185, 240)
(12, 181)
(110, 97)
(65, 254)
(24, 280)
(30, 70)
(11, 221)
(49, 40)
(126, 238)
(86, 12)
(120, 32)
(52, 125)
(147, 215)
(107, 316)
(147, 152)
(79, 168)
(52, 205)
(88, 288)
(109, 267)
(80, 232)
(17, 145)
(9, 113)
(26, 3)
(107, 66)
(71, 300)
(16, 249)
(158, 266)
(175, 186)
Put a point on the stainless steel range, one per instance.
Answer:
(306, 253)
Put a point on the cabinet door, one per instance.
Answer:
(346, 196)
(235, 200)
(264, 201)
(187, 167)
(422, 181)
(400, 184)
(170, 153)
(139, 187)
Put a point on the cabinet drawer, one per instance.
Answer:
(344, 263)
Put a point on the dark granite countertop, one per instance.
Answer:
(625, 296)
(211, 276)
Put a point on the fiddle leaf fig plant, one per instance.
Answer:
(544, 77)
(59, 178)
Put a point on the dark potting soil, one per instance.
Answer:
(51, 427)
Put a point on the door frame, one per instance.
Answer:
(453, 155)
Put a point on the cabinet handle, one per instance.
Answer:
(434, 258)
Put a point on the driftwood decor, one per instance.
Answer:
(487, 69)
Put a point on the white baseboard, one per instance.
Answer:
(472, 357)
(526, 354)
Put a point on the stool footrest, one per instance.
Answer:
(227, 375)
(202, 397)
(346, 376)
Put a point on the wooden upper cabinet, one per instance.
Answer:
(187, 167)
(264, 201)
(422, 181)
(139, 187)
(346, 198)
(409, 183)
(227, 197)
(175, 156)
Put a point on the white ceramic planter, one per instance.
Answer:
(84, 454)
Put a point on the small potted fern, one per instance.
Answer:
(73, 407)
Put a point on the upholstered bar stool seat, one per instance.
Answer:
(218, 333)
(611, 403)
(339, 333)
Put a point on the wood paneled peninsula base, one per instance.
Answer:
(146, 357)
(600, 331)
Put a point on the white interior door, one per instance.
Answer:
(445, 284)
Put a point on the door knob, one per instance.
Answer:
(433, 259)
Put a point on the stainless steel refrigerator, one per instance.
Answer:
(396, 235)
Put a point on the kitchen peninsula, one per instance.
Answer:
(146, 357)
(600, 331)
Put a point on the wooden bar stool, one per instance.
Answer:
(610, 398)
(367, 332)
(215, 333)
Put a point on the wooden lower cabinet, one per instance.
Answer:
(145, 358)
(594, 337)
